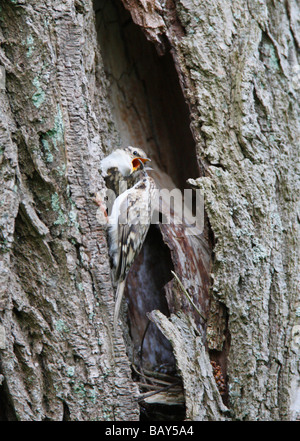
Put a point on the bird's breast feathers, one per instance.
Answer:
(129, 223)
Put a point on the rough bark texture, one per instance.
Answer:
(243, 64)
(202, 398)
(238, 67)
(58, 360)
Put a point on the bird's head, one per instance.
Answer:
(126, 160)
(137, 157)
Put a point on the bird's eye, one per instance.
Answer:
(135, 153)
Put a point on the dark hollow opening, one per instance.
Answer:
(147, 102)
(149, 274)
(7, 411)
(149, 111)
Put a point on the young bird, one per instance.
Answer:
(121, 168)
(131, 213)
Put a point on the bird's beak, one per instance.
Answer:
(136, 163)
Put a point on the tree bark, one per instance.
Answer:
(76, 86)
(58, 360)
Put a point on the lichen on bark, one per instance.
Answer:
(242, 60)
(56, 295)
(238, 67)
(239, 70)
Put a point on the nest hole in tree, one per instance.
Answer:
(149, 110)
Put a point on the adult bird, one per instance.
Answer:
(131, 214)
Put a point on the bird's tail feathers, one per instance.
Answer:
(119, 296)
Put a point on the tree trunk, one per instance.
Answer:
(211, 91)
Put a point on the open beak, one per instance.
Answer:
(137, 162)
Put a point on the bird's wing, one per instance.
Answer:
(133, 225)
(132, 211)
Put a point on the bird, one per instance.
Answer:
(121, 169)
(130, 217)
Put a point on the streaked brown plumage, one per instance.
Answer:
(128, 225)
(131, 213)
